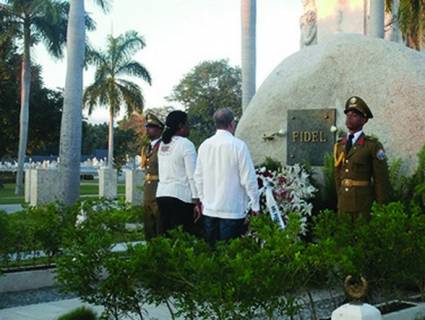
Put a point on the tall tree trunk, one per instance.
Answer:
(377, 13)
(111, 140)
(249, 20)
(70, 137)
(24, 113)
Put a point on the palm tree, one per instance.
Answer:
(249, 16)
(70, 136)
(108, 88)
(411, 17)
(377, 10)
(35, 21)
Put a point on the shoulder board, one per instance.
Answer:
(371, 138)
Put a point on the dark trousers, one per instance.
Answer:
(174, 213)
(216, 229)
(151, 219)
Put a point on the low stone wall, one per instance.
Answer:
(27, 280)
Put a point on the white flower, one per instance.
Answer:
(81, 218)
(334, 129)
(294, 182)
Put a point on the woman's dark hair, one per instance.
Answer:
(173, 123)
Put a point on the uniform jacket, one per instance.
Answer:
(365, 164)
(149, 166)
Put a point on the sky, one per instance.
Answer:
(179, 34)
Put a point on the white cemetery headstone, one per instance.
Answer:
(133, 187)
(44, 186)
(107, 183)
(27, 185)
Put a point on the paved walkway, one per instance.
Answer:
(10, 208)
(52, 310)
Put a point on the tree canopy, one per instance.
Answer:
(207, 87)
(411, 17)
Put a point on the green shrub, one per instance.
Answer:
(235, 280)
(409, 190)
(388, 249)
(81, 313)
(90, 267)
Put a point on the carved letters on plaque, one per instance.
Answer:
(308, 136)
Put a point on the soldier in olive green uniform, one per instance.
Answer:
(149, 164)
(361, 170)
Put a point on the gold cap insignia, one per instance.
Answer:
(353, 100)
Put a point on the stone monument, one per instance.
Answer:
(388, 76)
(308, 24)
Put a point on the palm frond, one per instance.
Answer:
(125, 46)
(50, 26)
(95, 95)
(104, 4)
(89, 22)
(134, 68)
(108, 89)
(132, 95)
(94, 57)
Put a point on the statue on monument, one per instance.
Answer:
(308, 24)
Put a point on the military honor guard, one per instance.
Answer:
(361, 170)
(149, 164)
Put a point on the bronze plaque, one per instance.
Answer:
(309, 135)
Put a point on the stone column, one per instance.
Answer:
(249, 21)
(108, 183)
(44, 186)
(28, 185)
(133, 187)
(376, 22)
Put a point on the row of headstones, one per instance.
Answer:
(41, 185)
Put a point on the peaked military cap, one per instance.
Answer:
(358, 105)
(153, 121)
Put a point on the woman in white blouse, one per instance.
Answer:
(176, 193)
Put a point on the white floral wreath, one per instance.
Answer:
(286, 190)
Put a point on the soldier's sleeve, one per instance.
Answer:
(143, 158)
(381, 175)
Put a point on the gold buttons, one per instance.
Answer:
(346, 170)
(346, 189)
(346, 161)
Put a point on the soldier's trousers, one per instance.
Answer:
(151, 219)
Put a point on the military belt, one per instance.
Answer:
(348, 183)
(151, 177)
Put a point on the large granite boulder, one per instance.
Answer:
(387, 75)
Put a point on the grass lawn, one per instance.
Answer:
(88, 189)
(7, 195)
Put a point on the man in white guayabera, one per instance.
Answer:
(226, 181)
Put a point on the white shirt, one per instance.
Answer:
(153, 142)
(225, 177)
(176, 164)
(356, 136)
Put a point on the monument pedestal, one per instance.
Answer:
(108, 183)
(133, 187)
(43, 186)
